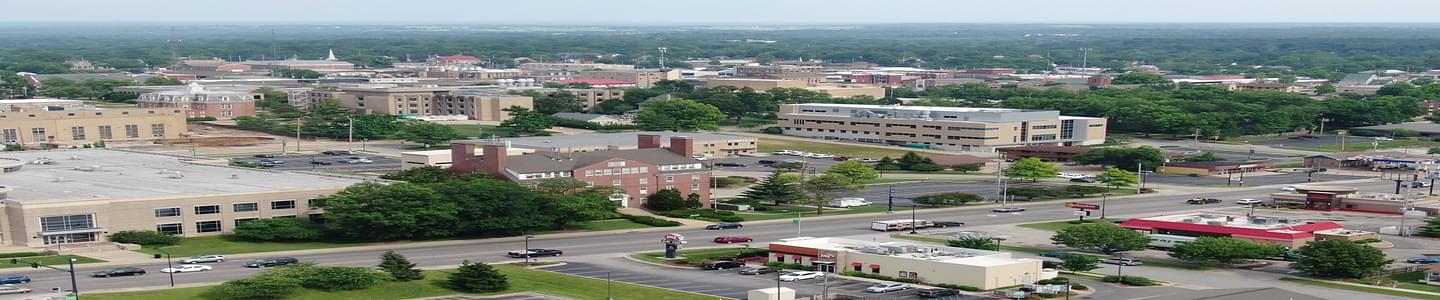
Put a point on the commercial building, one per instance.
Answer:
(81, 196)
(391, 100)
(600, 83)
(948, 128)
(775, 69)
(1332, 198)
(199, 102)
(644, 78)
(68, 123)
(754, 83)
(479, 105)
(930, 264)
(594, 118)
(848, 91)
(1272, 230)
(706, 144)
(634, 174)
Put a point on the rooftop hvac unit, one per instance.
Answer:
(1190, 220)
(1215, 223)
(1260, 221)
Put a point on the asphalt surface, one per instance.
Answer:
(611, 244)
(1250, 179)
(1315, 142)
(302, 162)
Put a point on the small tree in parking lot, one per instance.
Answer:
(1079, 262)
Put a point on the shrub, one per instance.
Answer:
(982, 242)
(773, 130)
(651, 221)
(786, 266)
(1056, 280)
(1131, 280)
(400, 268)
(965, 168)
(278, 229)
(1077, 286)
(730, 181)
(144, 237)
(732, 219)
(259, 287)
(200, 119)
(1367, 241)
(1404, 132)
(478, 278)
(338, 278)
(880, 277)
(959, 287)
(1364, 132)
(926, 167)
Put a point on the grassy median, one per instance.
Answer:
(521, 280)
(51, 260)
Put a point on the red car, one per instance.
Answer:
(733, 239)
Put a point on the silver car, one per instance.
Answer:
(10, 289)
(203, 259)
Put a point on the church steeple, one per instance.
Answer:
(332, 56)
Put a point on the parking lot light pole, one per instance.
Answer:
(526, 251)
(607, 286)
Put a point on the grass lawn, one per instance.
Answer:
(1409, 281)
(747, 122)
(694, 257)
(521, 280)
(1367, 145)
(772, 145)
(52, 260)
(1058, 225)
(475, 130)
(1363, 289)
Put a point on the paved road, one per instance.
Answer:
(609, 244)
(337, 163)
(1250, 180)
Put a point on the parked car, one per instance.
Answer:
(1084, 180)
(320, 162)
(943, 224)
(126, 271)
(9, 290)
(792, 161)
(783, 152)
(1008, 209)
(937, 293)
(187, 269)
(266, 164)
(358, 160)
(1248, 201)
(1055, 254)
(841, 158)
(699, 157)
(264, 156)
(721, 265)
(887, 287)
(1202, 201)
(758, 270)
(203, 259)
(1419, 184)
(801, 275)
(273, 161)
(821, 156)
(1071, 175)
(1121, 261)
(869, 160)
(271, 262)
(535, 253)
(1423, 260)
(729, 164)
(338, 152)
(719, 226)
(13, 279)
(766, 162)
(733, 239)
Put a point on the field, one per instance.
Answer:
(693, 257)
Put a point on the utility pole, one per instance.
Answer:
(297, 136)
(890, 206)
(1322, 124)
(1140, 170)
(350, 133)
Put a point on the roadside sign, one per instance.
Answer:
(1081, 213)
(1078, 205)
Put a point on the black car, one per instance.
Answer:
(721, 265)
(1083, 179)
(271, 262)
(758, 270)
(535, 253)
(1202, 201)
(937, 293)
(320, 162)
(766, 162)
(264, 156)
(943, 224)
(729, 164)
(719, 226)
(338, 152)
(119, 272)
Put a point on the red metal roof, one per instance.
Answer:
(1278, 233)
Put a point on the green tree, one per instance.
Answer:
(855, 171)
(1031, 168)
(1207, 156)
(1115, 177)
(665, 200)
(428, 133)
(776, 188)
(255, 288)
(400, 268)
(1224, 250)
(278, 229)
(161, 80)
(1100, 236)
(340, 278)
(948, 199)
(478, 278)
(1340, 258)
(590, 205)
(1084, 190)
(568, 186)
(692, 201)
(1030, 193)
(823, 188)
(1122, 157)
(1325, 89)
(557, 102)
(524, 120)
(426, 174)
(910, 159)
(1431, 227)
(388, 212)
(1079, 262)
(679, 115)
(974, 241)
(144, 238)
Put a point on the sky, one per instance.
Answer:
(641, 12)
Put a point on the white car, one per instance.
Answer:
(821, 155)
(802, 275)
(1072, 175)
(187, 269)
(1381, 138)
(1288, 188)
(887, 287)
(700, 157)
(1248, 201)
(10, 289)
(781, 152)
(203, 259)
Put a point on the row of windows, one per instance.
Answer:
(1044, 127)
(612, 171)
(680, 167)
(237, 207)
(1043, 137)
(972, 128)
(78, 133)
(217, 226)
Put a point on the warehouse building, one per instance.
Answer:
(927, 263)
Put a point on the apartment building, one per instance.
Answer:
(66, 123)
(400, 101)
(199, 102)
(635, 174)
(947, 128)
(643, 78)
(159, 192)
(477, 105)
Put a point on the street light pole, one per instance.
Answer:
(527, 251)
(169, 265)
(350, 133)
(74, 287)
(607, 286)
(912, 217)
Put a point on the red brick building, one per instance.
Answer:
(634, 173)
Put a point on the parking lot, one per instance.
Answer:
(337, 163)
(723, 283)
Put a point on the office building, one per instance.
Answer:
(54, 198)
(69, 123)
(1340, 198)
(930, 264)
(199, 102)
(644, 78)
(948, 128)
(390, 100)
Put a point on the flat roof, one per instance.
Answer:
(935, 253)
(1268, 228)
(601, 139)
(89, 174)
(930, 108)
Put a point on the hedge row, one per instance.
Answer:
(652, 221)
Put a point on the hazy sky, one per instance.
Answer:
(602, 12)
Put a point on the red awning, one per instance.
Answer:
(874, 266)
(794, 257)
(779, 255)
(857, 264)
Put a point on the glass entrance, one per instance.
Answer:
(827, 267)
(70, 238)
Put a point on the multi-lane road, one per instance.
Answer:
(613, 243)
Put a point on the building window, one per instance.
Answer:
(285, 217)
(157, 130)
(132, 131)
(617, 182)
(644, 190)
(286, 204)
(171, 228)
(66, 223)
(11, 135)
(1067, 129)
(244, 207)
(314, 203)
(243, 221)
(669, 179)
(644, 181)
(207, 209)
(208, 226)
(167, 212)
(38, 135)
(105, 133)
(317, 218)
(77, 133)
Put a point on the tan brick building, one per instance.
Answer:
(643, 78)
(400, 101)
(198, 102)
(948, 128)
(75, 125)
(479, 106)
